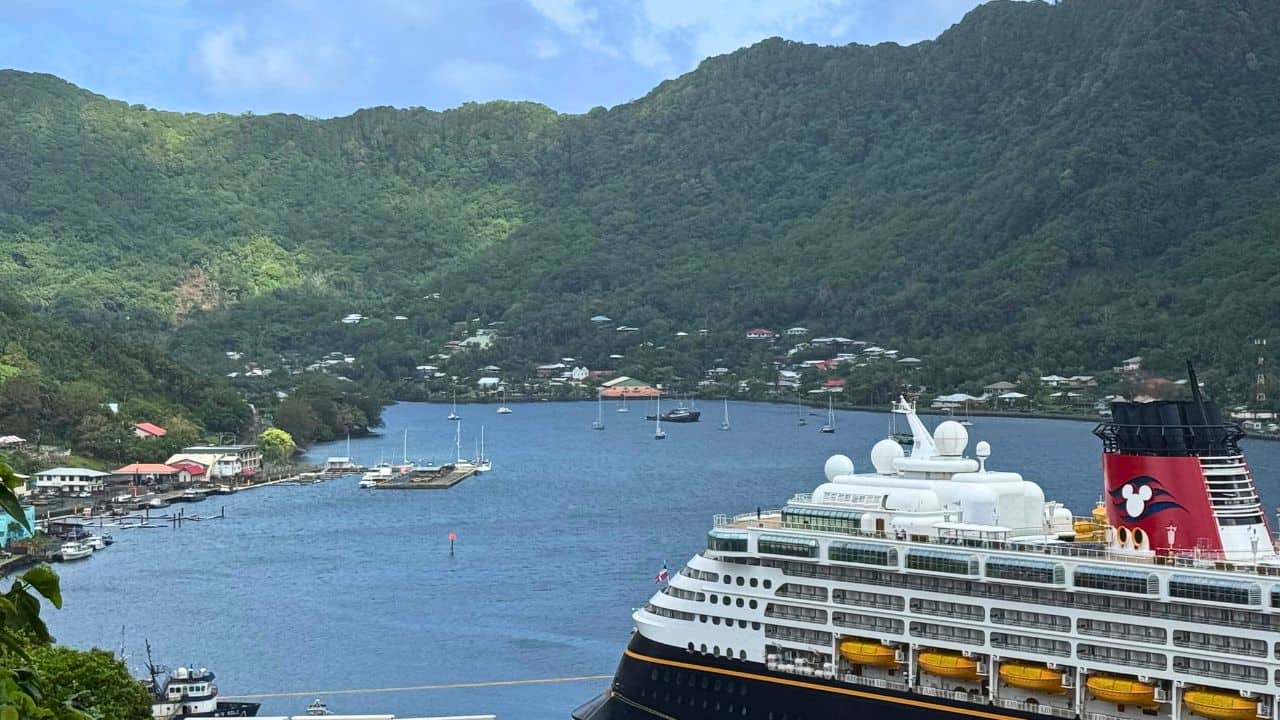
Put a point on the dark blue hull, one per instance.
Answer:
(658, 681)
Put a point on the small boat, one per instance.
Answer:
(193, 495)
(1032, 676)
(74, 551)
(868, 652)
(453, 414)
(1220, 704)
(367, 483)
(658, 432)
(503, 409)
(95, 542)
(189, 692)
(317, 707)
(724, 424)
(624, 407)
(1122, 690)
(598, 423)
(155, 503)
(482, 463)
(680, 415)
(944, 663)
(223, 490)
(830, 427)
(106, 538)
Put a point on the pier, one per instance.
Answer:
(441, 479)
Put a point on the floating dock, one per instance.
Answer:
(441, 479)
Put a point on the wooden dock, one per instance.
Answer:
(441, 479)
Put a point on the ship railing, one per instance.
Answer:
(1204, 559)
(852, 679)
(1102, 716)
(951, 694)
(1041, 708)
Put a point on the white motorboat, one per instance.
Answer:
(96, 542)
(74, 550)
(318, 708)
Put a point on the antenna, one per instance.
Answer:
(1195, 391)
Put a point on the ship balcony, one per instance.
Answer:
(1039, 708)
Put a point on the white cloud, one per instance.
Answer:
(231, 63)
(649, 51)
(575, 19)
(715, 27)
(479, 80)
(544, 48)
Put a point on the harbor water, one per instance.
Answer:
(325, 587)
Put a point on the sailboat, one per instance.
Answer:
(453, 414)
(598, 423)
(799, 409)
(965, 420)
(724, 424)
(482, 463)
(658, 433)
(830, 427)
(624, 407)
(503, 409)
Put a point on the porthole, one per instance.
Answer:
(715, 620)
(755, 626)
(690, 647)
(742, 624)
(740, 602)
(768, 584)
(742, 655)
(728, 652)
(702, 618)
(753, 604)
(740, 581)
(716, 651)
(714, 597)
(702, 648)
(727, 579)
(754, 582)
(725, 600)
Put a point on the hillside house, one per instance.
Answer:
(148, 431)
(797, 331)
(760, 334)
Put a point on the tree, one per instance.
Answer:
(277, 445)
(94, 680)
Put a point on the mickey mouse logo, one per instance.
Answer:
(1135, 500)
(1142, 497)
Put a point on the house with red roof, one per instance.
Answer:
(152, 474)
(147, 431)
(834, 385)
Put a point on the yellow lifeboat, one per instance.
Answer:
(1122, 690)
(948, 664)
(1219, 704)
(867, 652)
(1093, 528)
(1031, 676)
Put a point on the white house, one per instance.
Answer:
(578, 374)
(794, 331)
(69, 479)
(760, 334)
(489, 383)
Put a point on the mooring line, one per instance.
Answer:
(417, 688)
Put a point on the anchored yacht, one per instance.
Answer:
(933, 586)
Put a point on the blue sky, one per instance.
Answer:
(330, 57)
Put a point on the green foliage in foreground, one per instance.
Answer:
(1054, 186)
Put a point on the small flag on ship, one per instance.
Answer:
(662, 574)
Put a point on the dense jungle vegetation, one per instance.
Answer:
(1042, 186)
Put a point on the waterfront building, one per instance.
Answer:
(249, 456)
(71, 480)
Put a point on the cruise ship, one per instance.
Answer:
(933, 585)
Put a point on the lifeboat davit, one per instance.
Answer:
(1031, 676)
(948, 664)
(867, 652)
(1122, 690)
(1220, 704)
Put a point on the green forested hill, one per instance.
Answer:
(1049, 186)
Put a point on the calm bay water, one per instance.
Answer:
(326, 587)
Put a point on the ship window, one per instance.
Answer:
(861, 621)
(796, 612)
(1127, 631)
(768, 584)
(868, 599)
(821, 519)
(1237, 592)
(1232, 644)
(803, 592)
(947, 632)
(1218, 669)
(1122, 656)
(943, 608)
(1027, 618)
(942, 561)
(788, 545)
(803, 635)
(752, 604)
(754, 582)
(1037, 571)
(1026, 643)
(722, 541)
(1117, 580)
(864, 553)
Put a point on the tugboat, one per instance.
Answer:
(189, 692)
(679, 415)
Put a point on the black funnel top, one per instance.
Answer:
(1169, 427)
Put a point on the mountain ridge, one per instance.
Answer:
(1040, 185)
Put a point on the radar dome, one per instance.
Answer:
(951, 438)
(883, 455)
(982, 449)
(836, 466)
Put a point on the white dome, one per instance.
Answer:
(951, 439)
(836, 466)
(883, 455)
(982, 449)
